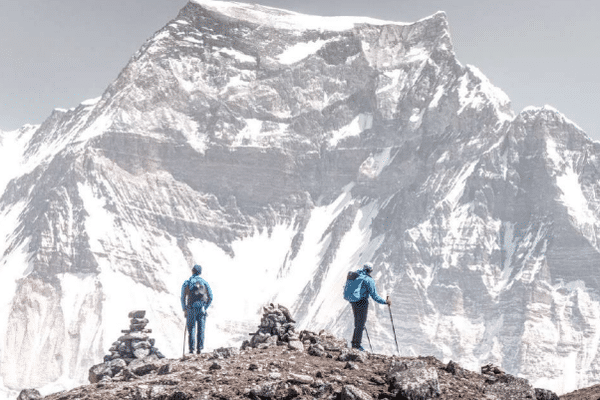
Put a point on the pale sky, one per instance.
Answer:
(58, 53)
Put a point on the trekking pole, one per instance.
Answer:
(392, 319)
(184, 332)
(369, 339)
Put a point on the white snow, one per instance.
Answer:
(374, 164)
(458, 183)
(13, 265)
(439, 92)
(238, 55)
(567, 180)
(241, 284)
(161, 35)
(355, 249)
(283, 19)
(300, 51)
(258, 133)
(475, 90)
(192, 40)
(358, 125)
(12, 148)
(91, 102)
(394, 77)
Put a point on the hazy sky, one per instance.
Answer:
(57, 53)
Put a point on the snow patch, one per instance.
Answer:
(238, 55)
(300, 51)
(567, 179)
(374, 164)
(358, 125)
(91, 102)
(192, 40)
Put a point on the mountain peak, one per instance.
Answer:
(550, 114)
(284, 19)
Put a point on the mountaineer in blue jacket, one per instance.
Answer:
(359, 286)
(196, 297)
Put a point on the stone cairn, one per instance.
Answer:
(135, 343)
(276, 327)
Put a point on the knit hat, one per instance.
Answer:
(197, 269)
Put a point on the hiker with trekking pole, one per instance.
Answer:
(196, 297)
(359, 286)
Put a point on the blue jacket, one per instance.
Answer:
(189, 284)
(361, 288)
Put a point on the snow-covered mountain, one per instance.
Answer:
(280, 150)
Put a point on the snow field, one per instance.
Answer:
(355, 249)
(283, 19)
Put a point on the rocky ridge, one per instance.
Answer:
(280, 371)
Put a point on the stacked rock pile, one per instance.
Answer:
(132, 355)
(135, 343)
(276, 327)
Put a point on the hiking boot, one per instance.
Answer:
(199, 351)
(359, 348)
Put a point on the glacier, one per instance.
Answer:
(280, 151)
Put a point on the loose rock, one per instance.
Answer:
(29, 394)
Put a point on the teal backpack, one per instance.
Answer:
(352, 287)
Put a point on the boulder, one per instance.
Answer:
(143, 344)
(350, 392)
(543, 394)
(316, 350)
(453, 368)
(413, 380)
(144, 366)
(266, 390)
(164, 369)
(296, 345)
(214, 366)
(352, 355)
(116, 365)
(300, 378)
(29, 394)
(225, 352)
(141, 353)
(351, 365)
(506, 386)
(99, 371)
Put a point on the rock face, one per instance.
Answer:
(279, 151)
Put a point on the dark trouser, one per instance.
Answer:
(359, 309)
(195, 317)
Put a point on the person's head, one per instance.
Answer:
(368, 267)
(197, 269)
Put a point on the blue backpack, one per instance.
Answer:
(352, 287)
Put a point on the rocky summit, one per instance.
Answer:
(280, 371)
(279, 151)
